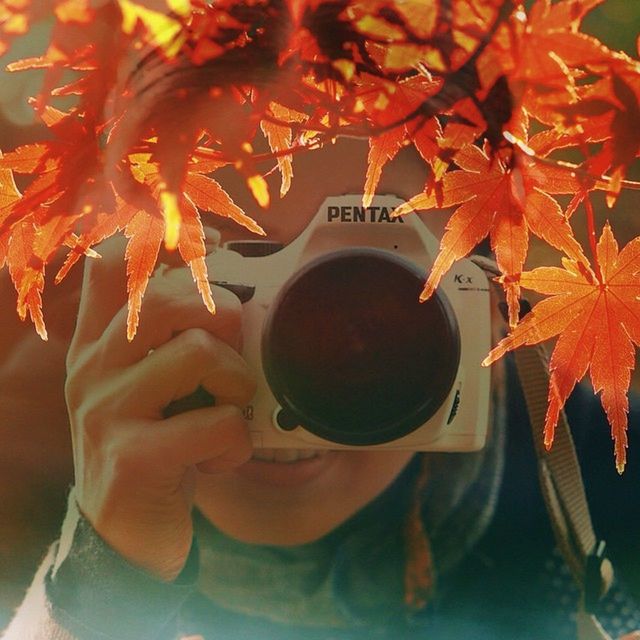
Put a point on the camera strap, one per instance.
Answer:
(562, 487)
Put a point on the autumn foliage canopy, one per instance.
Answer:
(509, 107)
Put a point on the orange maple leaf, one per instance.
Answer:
(207, 194)
(16, 249)
(103, 225)
(382, 149)
(386, 109)
(15, 19)
(597, 319)
(145, 232)
(541, 53)
(9, 194)
(505, 198)
(27, 279)
(192, 249)
(280, 137)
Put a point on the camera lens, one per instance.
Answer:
(351, 353)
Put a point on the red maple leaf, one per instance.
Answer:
(276, 127)
(145, 232)
(543, 54)
(27, 279)
(16, 249)
(506, 198)
(175, 215)
(386, 108)
(9, 194)
(597, 321)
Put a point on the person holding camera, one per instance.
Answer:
(198, 509)
(180, 526)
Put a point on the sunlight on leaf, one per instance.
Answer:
(172, 219)
(598, 324)
(260, 190)
(164, 31)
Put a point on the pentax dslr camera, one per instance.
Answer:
(345, 353)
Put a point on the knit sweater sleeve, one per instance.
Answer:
(34, 619)
(84, 590)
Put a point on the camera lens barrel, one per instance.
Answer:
(352, 354)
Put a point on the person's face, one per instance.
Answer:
(274, 499)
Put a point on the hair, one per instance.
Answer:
(454, 495)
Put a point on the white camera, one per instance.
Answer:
(345, 354)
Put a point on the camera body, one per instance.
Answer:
(345, 354)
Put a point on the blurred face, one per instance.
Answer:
(288, 497)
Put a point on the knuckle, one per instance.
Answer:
(228, 307)
(158, 303)
(91, 414)
(245, 384)
(112, 251)
(197, 345)
(226, 300)
(172, 302)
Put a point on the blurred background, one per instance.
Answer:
(35, 461)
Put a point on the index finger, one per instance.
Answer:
(105, 284)
(104, 289)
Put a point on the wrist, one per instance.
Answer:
(96, 593)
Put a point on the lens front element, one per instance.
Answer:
(351, 353)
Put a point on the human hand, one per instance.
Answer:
(134, 469)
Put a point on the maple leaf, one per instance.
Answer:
(145, 232)
(192, 249)
(27, 279)
(621, 92)
(162, 31)
(387, 108)
(597, 321)
(9, 194)
(68, 183)
(101, 225)
(382, 149)
(280, 137)
(209, 195)
(143, 247)
(19, 244)
(505, 198)
(15, 19)
(543, 54)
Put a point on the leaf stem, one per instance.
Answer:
(593, 240)
(582, 173)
